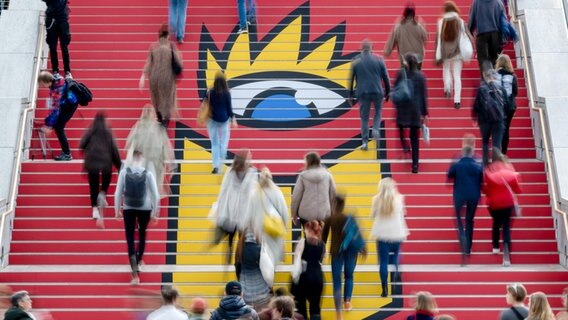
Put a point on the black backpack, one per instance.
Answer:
(492, 101)
(80, 90)
(134, 188)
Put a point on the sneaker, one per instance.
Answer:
(68, 75)
(364, 146)
(496, 251)
(506, 262)
(180, 41)
(101, 200)
(347, 306)
(63, 157)
(215, 171)
(135, 280)
(243, 30)
(140, 266)
(56, 75)
(96, 213)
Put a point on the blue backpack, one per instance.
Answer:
(352, 239)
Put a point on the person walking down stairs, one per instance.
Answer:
(101, 153)
(516, 294)
(501, 184)
(139, 190)
(389, 227)
(425, 307)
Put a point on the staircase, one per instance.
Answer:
(77, 271)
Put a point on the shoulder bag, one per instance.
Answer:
(205, 113)
(273, 224)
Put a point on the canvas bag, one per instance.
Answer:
(205, 112)
(403, 91)
(465, 45)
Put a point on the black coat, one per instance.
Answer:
(100, 150)
(410, 114)
(15, 313)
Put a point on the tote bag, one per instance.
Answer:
(466, 47)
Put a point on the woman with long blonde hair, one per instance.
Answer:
(389, 228)
(425, 307)
(539, 308)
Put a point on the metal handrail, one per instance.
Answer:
(543, 127)
(20, 147)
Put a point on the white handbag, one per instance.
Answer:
(426, 133)
(266, 265)
(466, 47)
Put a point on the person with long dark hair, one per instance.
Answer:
(101, 153)
(221, 118)
(451, 28)
(412, 114)
(158, 69)
(409, 36)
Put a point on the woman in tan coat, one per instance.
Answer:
(159, 71)
(409, 36)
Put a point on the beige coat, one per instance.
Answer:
(313, 194)
(446, 50)
(409, 37)
(159, 70)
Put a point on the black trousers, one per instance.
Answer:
(94, 179)
(493, 130)
(415, 144)
(488, 46)
(501, 220)
(58, 31)
(312, 294)
(65, 114)
(131, 217)
(505, 142)
(465, 234)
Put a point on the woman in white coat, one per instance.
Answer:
(450, 32)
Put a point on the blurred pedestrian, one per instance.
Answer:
(283, 308)
(21, 307)
(142, 300)
(485, 22)
(138, 187)
(539, 308)
(152, 140)
(57, 27)
(62, 104)
(425, 307)
(516, 294)
(508, 80)
(314, 192)
(198, 307)
(101, 153)
(267, 314)
(233, 200)
(159, 70)
(563, 315)
(221, 118)
(169, 309)
(467, 177)
(308, 275)
(413, 113)
(367, 72)
(232, 306)
(177, 15)
(408, 36)
(451, 29)
(389, 227)
(501, 184)
(488, 111)
(346, 244)
(247, 14)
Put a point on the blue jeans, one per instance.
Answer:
(178, 12)
(219, 134)
(349, 261)
(247, 12)
(465, 236)
(364, 111)
(385, 248)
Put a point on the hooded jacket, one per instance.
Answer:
(100, 150)
(313, 194)
(15, 313)
(233, 307)
(484, 16)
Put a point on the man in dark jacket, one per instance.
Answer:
(232, 306)
(484, 20)
(467, 175)
(368, 70)
(21, 305)
(57, 26)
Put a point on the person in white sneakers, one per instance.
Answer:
(169, 310)
(141, 204)
(101, 153)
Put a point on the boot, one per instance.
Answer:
(385, 292)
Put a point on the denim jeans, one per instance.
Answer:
(465, 236)
(219, 134)
(177, 15)
(385, 248)
(493, 130)
(364, 112)
(345, 262)
(246, 12)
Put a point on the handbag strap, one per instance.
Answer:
(517, 313)
(265, 195)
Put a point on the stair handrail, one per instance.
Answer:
(29, 104)
(545, 130)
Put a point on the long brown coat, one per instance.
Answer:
(159, 70)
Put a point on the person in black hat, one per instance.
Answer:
(232, 306)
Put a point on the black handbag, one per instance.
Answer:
(176, 67)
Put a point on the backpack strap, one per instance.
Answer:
(517, 313)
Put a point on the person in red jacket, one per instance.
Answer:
(501, 183)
